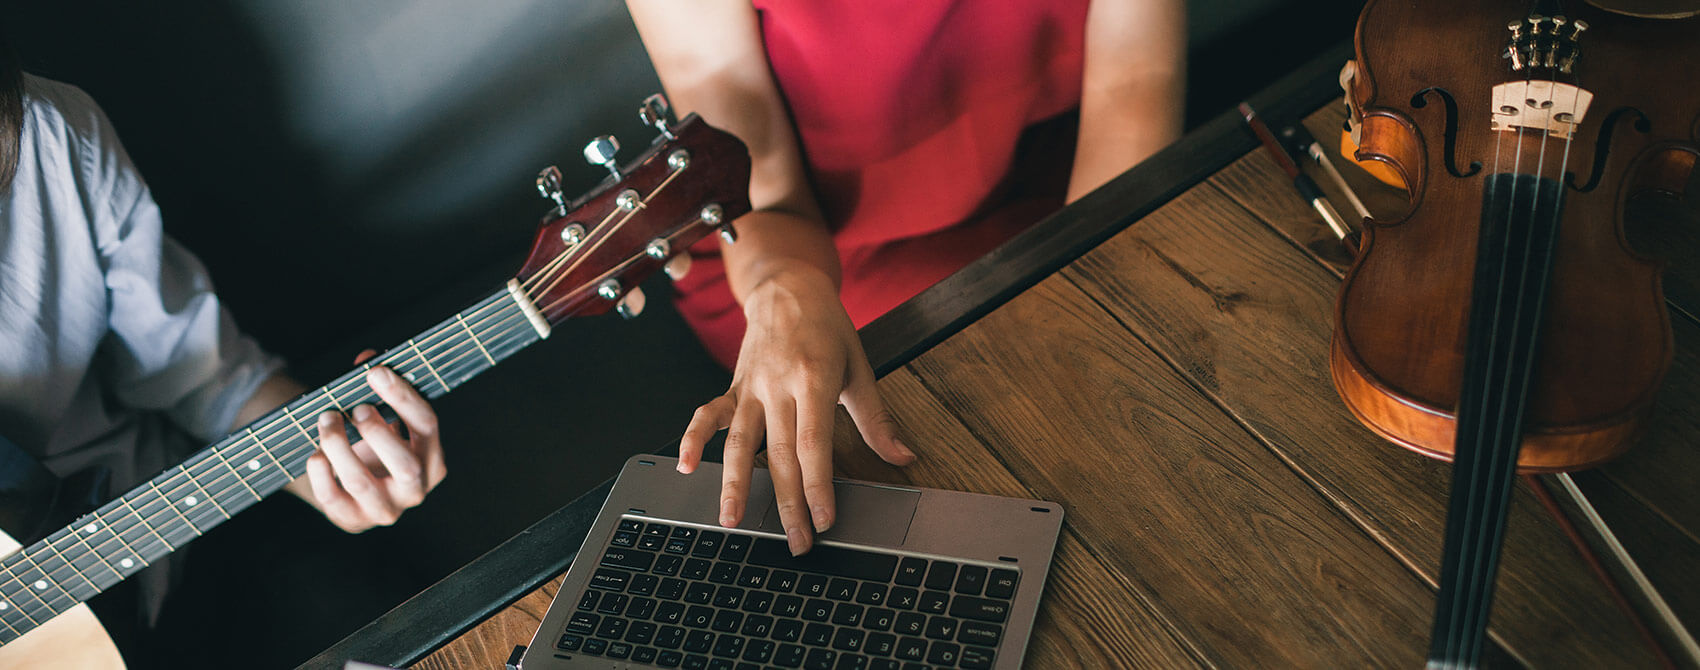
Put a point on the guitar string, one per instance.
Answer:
(630, 214)
(184, 470)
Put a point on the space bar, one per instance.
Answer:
(834, 561)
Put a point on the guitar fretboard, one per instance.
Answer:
(178, 505)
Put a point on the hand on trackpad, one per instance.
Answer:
(876, 515)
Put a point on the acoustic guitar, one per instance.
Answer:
(587, 258)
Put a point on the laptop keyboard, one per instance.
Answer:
(686, 597)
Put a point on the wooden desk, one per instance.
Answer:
(1170, 389)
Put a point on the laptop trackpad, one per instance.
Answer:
(876, 515)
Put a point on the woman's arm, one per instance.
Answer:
(1134, 88)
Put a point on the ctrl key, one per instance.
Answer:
(570, 642)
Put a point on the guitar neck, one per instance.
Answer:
(127, 534)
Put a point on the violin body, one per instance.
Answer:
(1424, 97)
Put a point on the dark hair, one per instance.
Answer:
(11, 111)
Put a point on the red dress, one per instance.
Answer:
(909, 113)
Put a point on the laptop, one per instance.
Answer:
(907, 578)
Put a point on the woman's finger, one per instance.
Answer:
(708, 420)
(355, 478)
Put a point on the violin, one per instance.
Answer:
(1504, 322)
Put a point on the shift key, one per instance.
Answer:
(980, 609)
(630, 559)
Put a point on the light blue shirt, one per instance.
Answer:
(110, 333)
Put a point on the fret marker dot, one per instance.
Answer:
(4, 605)
(89, 528)
(41, 585)
(190, 501)
(127, 563)
(254, 464)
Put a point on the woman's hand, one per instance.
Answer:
(800, 356)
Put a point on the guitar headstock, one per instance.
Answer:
(591, 253)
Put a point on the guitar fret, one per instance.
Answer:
(475, 341)
(144, 520)
(90, 550)
(267, 450)
(92, 588)
(233, 471)
(167, 502)
(203, 490)
(23, 586)
(421, 356)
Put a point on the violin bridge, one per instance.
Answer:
(1554, 107)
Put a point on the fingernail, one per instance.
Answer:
(327, 419)
(363, 412)
(799, 544)
(380, 377)
(728, 514)
(823, 518)
(903, 448)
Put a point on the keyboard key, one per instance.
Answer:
(624, 538)
(723, 573)
(737, 546)
(833, 561)
(910, 571)
(698, 617)
(615, 603)
(817, 610)
(669, 637)
(643, 585)
(643, 655)
(699, 593)
(789, 655)
(871, 594)
(619, 650)
(670, 589)
(910, 623)
(878, 618)
(788, 630)
(902, 598)
(851, 662)
(632, 525)
(759, 651)
(699, 641)
(612, 580)
(720, 664)
(880, 644)
(1001, 585)
(756, 625)
(594, 647)
(933, 602)
(651, 543)
(971, 580)
(695, 569)
(980, 633)
(885, 664)
(820, 659)
(677, 545)
(969, 607)
(694, 662)
(641, 608)
(583, 623)
(728, 646)
(685, 533)
(848, 639)
(641, 632)
(729, 597)
(941, 576)
(757, 601)
(817, 634)
(911, 648)
(612, 628)
(708, 544)
(847, 614)
(943, 653)
(752, 577)
(941, 628)
(667, 566)
(570, 642)
(782, 581)
(657, 530)
(813, 586)
(977, 658)
(727, 621)
(841, 589)
(587, 602)
(787, 606)
(670, 613)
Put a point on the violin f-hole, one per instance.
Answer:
(1602, 145)
(1419, 101)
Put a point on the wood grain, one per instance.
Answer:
(488, 644)
(1237, 554)
(1212, 287)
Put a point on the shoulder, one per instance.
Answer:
(71, 137)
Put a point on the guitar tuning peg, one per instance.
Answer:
(631, 305)
(549, 186)
(601, 152)
(678, 266)
(654, 111)
(713, 215)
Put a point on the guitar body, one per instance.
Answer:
(74, 640)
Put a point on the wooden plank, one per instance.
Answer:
(488, 644)
(1242, 557)
(1209, 285)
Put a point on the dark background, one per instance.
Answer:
(351, 172)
